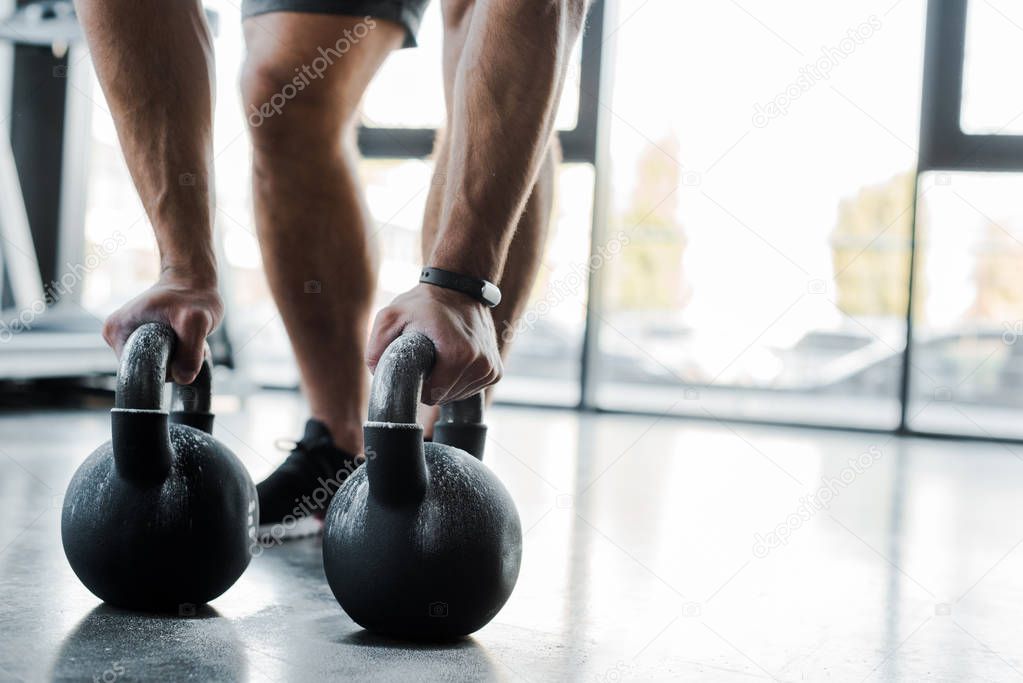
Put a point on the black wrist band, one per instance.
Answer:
(482, 291)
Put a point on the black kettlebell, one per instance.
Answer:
(423, 542)
(163, 515)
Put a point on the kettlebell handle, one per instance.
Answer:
(398, 383)
(139, 422)
(395, 460)
(143, 373)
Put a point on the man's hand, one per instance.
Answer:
(462, 330)
(192, 308)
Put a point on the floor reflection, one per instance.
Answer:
(892, 632)
(470, 654)
(110, 644)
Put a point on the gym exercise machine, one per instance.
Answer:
(43, 153)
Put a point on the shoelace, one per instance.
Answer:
(288, 445)
(297, 452)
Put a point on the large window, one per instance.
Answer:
(765, 188)
(990, 103)
(965, 362)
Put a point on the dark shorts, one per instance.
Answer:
(407, 13)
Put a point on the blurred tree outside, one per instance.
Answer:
(647, 275)
(997, 276)
(870, 248)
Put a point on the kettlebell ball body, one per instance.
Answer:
(438, 567)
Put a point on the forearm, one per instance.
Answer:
(154, 60)
(507, 87)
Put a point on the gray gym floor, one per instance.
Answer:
(641, 562)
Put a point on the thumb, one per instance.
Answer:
(386, 328)
(192, 327)
(116, 330)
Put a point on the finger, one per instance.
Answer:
(443, 384)
(492, 373)
(386, 327)
(192, 327)
(473, 377)
(115, 334)
(498, 372)
(476, 387)
(451, 369)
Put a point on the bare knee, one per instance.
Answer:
(290, 113)
(304, 75)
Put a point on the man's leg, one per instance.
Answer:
(527, 247)
(313, 225)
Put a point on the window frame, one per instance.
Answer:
(577, 145)
(943, 144)
(945, 147)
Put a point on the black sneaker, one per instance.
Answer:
(294, 498)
